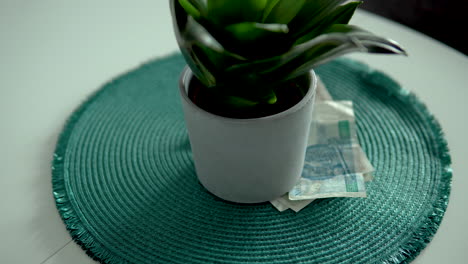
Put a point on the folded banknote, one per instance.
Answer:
(335, 164)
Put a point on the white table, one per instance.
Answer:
(55, 53)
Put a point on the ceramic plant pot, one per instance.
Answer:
(248, 160)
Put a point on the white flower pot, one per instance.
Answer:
(248, 160)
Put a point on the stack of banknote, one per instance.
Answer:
(335, 164)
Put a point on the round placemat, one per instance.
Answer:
(125, 185)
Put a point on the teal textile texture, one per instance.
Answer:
(125, 186)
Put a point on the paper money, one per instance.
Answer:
(348, 185)
(336, 169)
(335, 165)
(325, 130)
(283, 203)
(336, 159)
(279, 205)
(333, 111)
(322, 94)
(332, 168)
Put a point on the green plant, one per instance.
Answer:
(244, 51)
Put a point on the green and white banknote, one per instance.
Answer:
(348, 185)
(335, 164)
(332, 167)
(334, 127)
(283, 203)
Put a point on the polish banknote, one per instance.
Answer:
(335, 164)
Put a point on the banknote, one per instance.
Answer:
(347, 185)
(328, 160)
(335, 164)
(333, 131)
(279, 205)
(333, 111)
(323, 178)
(283, 203)
(326, 115)
(322, 94)
(331, 165)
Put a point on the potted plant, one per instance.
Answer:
(249, 87)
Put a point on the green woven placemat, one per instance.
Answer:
(125, 185)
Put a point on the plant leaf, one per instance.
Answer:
(201, 5)
(282, 11)
(225, 12)
(340, 39)
(311, 14)
(203, 53)
(239, 102)
(247, 32)
(341, 15)
(391, 45)
(269, 6)
(190, 8)
(271, 97)
(253, 40)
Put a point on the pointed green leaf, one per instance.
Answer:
(253, 40)
(271, 98)
(240, 102)
(366, 36)
(247, 98)
(311, 14)
(283, 11)
(344, 13)
(201, 6)
(253, 10)
(200, 64)
(203, 53)
(225, 12)
(190, 9)
(341, 15)
(340, 40)
(267, 10)
(343, 28)
(251, 32)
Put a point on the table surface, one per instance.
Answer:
(56, 53)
